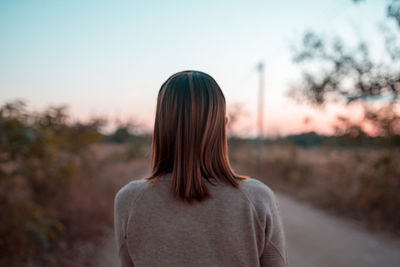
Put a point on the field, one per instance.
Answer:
(358, 183)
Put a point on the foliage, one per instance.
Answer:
(124, 132)
(40, 155)
(350, 75)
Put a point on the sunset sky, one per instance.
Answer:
(109, 58)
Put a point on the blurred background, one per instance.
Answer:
(312, 90)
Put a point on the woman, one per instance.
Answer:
(194, 210)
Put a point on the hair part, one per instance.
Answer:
(189, 138)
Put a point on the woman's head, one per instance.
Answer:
(189, 138)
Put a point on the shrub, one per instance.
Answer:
(40, 156)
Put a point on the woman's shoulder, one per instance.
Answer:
(256, 186)
(130, 192)
(257, 192)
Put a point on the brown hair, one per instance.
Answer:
(189, 138)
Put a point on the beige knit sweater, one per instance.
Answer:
(234, 228)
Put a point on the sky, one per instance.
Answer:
(109, 58)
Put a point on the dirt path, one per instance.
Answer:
(314, 239)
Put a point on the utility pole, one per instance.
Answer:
(260, 121)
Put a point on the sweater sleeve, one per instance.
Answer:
(274, 253)
(121, 214)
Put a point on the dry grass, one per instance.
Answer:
(83, 207)
(361, 183)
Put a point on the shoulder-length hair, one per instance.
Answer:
(189, 139)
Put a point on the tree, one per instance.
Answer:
(349, 75)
